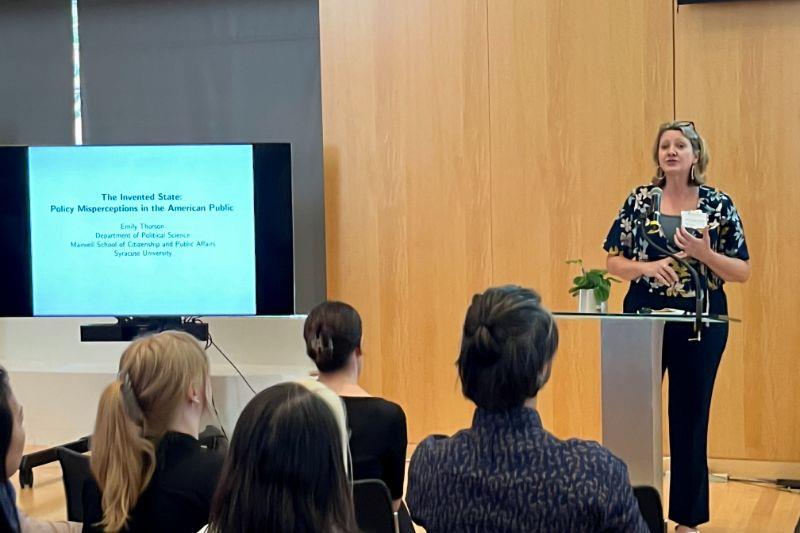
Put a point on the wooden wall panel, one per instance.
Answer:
(577, 90)
(405, 131)
(738, 77)
(471, 143)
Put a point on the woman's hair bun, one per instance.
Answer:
(321, 347)
(485, 346)
(332, 332)
(508, 342)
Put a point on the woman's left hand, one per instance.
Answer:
(699, 248)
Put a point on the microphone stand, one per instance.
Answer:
(698, 293)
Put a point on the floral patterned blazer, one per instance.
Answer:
(725, 231)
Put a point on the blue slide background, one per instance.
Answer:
(218, 280)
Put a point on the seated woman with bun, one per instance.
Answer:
(151, 472)
(507, 473)
(378, 437)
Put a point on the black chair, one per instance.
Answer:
(43, 457)
(650, 505)
(373, 506)
(75, 469)
(214, 439)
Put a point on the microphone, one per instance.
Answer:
(655, 199)
(655, 208)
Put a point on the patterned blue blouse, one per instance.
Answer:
(509, 474)
(725, 232)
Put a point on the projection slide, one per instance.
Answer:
(176, 222)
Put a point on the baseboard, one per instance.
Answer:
(750, 468)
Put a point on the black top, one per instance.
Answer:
(378, 441)
(178, 497)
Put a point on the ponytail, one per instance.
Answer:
(122, 460)
(155, 373)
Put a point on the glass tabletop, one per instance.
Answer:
(669, 316)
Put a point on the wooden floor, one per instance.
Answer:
(734, 506)
(46, 499)
(737, 506)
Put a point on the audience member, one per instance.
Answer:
(12, 441)
(150, 469)
(284, 469)
(378, 438)
(507, 473)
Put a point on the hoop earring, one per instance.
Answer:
(692, 178)
(660, 176)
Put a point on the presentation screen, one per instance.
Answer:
(147, 230)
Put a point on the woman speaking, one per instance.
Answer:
(699, 224)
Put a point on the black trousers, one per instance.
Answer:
(692, 368)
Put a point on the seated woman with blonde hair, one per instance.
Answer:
(149, 466)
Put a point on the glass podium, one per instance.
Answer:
(630, 354)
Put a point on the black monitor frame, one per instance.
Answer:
(274, 248)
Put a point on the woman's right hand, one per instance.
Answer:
(661, 270)
(631, 270)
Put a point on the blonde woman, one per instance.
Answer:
(151, 472)
(719, 254)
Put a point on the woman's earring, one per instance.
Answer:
(660, 175)
(692, 179)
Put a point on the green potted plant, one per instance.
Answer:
(592, 288)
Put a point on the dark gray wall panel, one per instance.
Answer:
(36, 72)
(208, 71)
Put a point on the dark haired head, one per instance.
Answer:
(508, 342)
(284, 470)
(6, 429)
(6, 419)
(332, 332)
(12, 442)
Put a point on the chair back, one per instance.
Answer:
(650, 505)
(373, 506)
(214, 439)
(75, 469)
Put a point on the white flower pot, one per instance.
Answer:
(587, 303)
